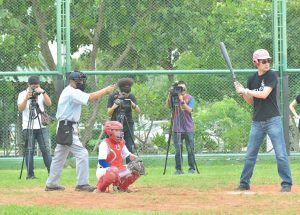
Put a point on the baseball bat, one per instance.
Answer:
(227, 59)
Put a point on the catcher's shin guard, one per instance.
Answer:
(126, 181)
(111, 176)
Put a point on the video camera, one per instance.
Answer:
(175, 89)
(123, 102)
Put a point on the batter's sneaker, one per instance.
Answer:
(55, 188)
(85, 187)
(241, 188)
(285, 189)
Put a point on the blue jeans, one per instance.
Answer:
(42, 137)
(178, 138)
(272, 127)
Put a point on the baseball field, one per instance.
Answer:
(210, 192)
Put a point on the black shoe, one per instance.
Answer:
(241, 188)
(178, 172)
(55, 188)
(85, 187)
(191, 171)
(31, 177)
(286, 189)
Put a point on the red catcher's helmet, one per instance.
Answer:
(113, 125)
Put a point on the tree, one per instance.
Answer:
(223, 126)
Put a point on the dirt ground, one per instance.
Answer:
(261, 199)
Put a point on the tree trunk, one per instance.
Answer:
(118, 62)
(45, 50)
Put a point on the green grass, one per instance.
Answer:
(215, 174)
(33, 210)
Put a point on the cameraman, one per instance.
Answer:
(182, 105)
(40, 132)
(122, 103)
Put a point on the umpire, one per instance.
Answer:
(68, 115)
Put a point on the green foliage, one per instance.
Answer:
(153, 27)
(188, 60)
(152, 93)
(160, 141)
(222, 126)
(140, 36)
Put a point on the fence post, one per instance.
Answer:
(63, 37)
(280, 61)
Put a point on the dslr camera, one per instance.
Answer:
(175, 89)
(34, 93)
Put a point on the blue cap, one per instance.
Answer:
(76, 75)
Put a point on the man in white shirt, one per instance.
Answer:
(68, 112)
(33, 98)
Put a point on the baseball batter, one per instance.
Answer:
(261, 92)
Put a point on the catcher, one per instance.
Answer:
(112, 152)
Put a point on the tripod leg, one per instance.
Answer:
(195, 163)
(30, 153)
(25, 137)
(22, 166)
(28, 137)
(168, 147)
(24, 153)
(131, 136)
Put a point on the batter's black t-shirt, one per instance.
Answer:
(298, 99)
(264, 109)
(127, 111)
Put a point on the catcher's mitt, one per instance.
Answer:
(136, 166)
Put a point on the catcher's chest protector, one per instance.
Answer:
(114, 158)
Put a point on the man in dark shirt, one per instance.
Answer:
(119, 108)
(261, 93)
(293, 105)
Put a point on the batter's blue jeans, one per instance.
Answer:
(273, 128)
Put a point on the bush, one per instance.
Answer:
(222, 126)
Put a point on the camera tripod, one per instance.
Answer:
(121, 117)
(34, 112)
(176, 112)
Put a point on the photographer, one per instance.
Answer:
(182, 105)
(34, 94)
(119, 108)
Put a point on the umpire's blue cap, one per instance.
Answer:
(76, 75)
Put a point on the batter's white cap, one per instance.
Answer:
(260, 54)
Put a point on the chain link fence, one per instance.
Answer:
(144, 35)
(222, 119)
(293, 45)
